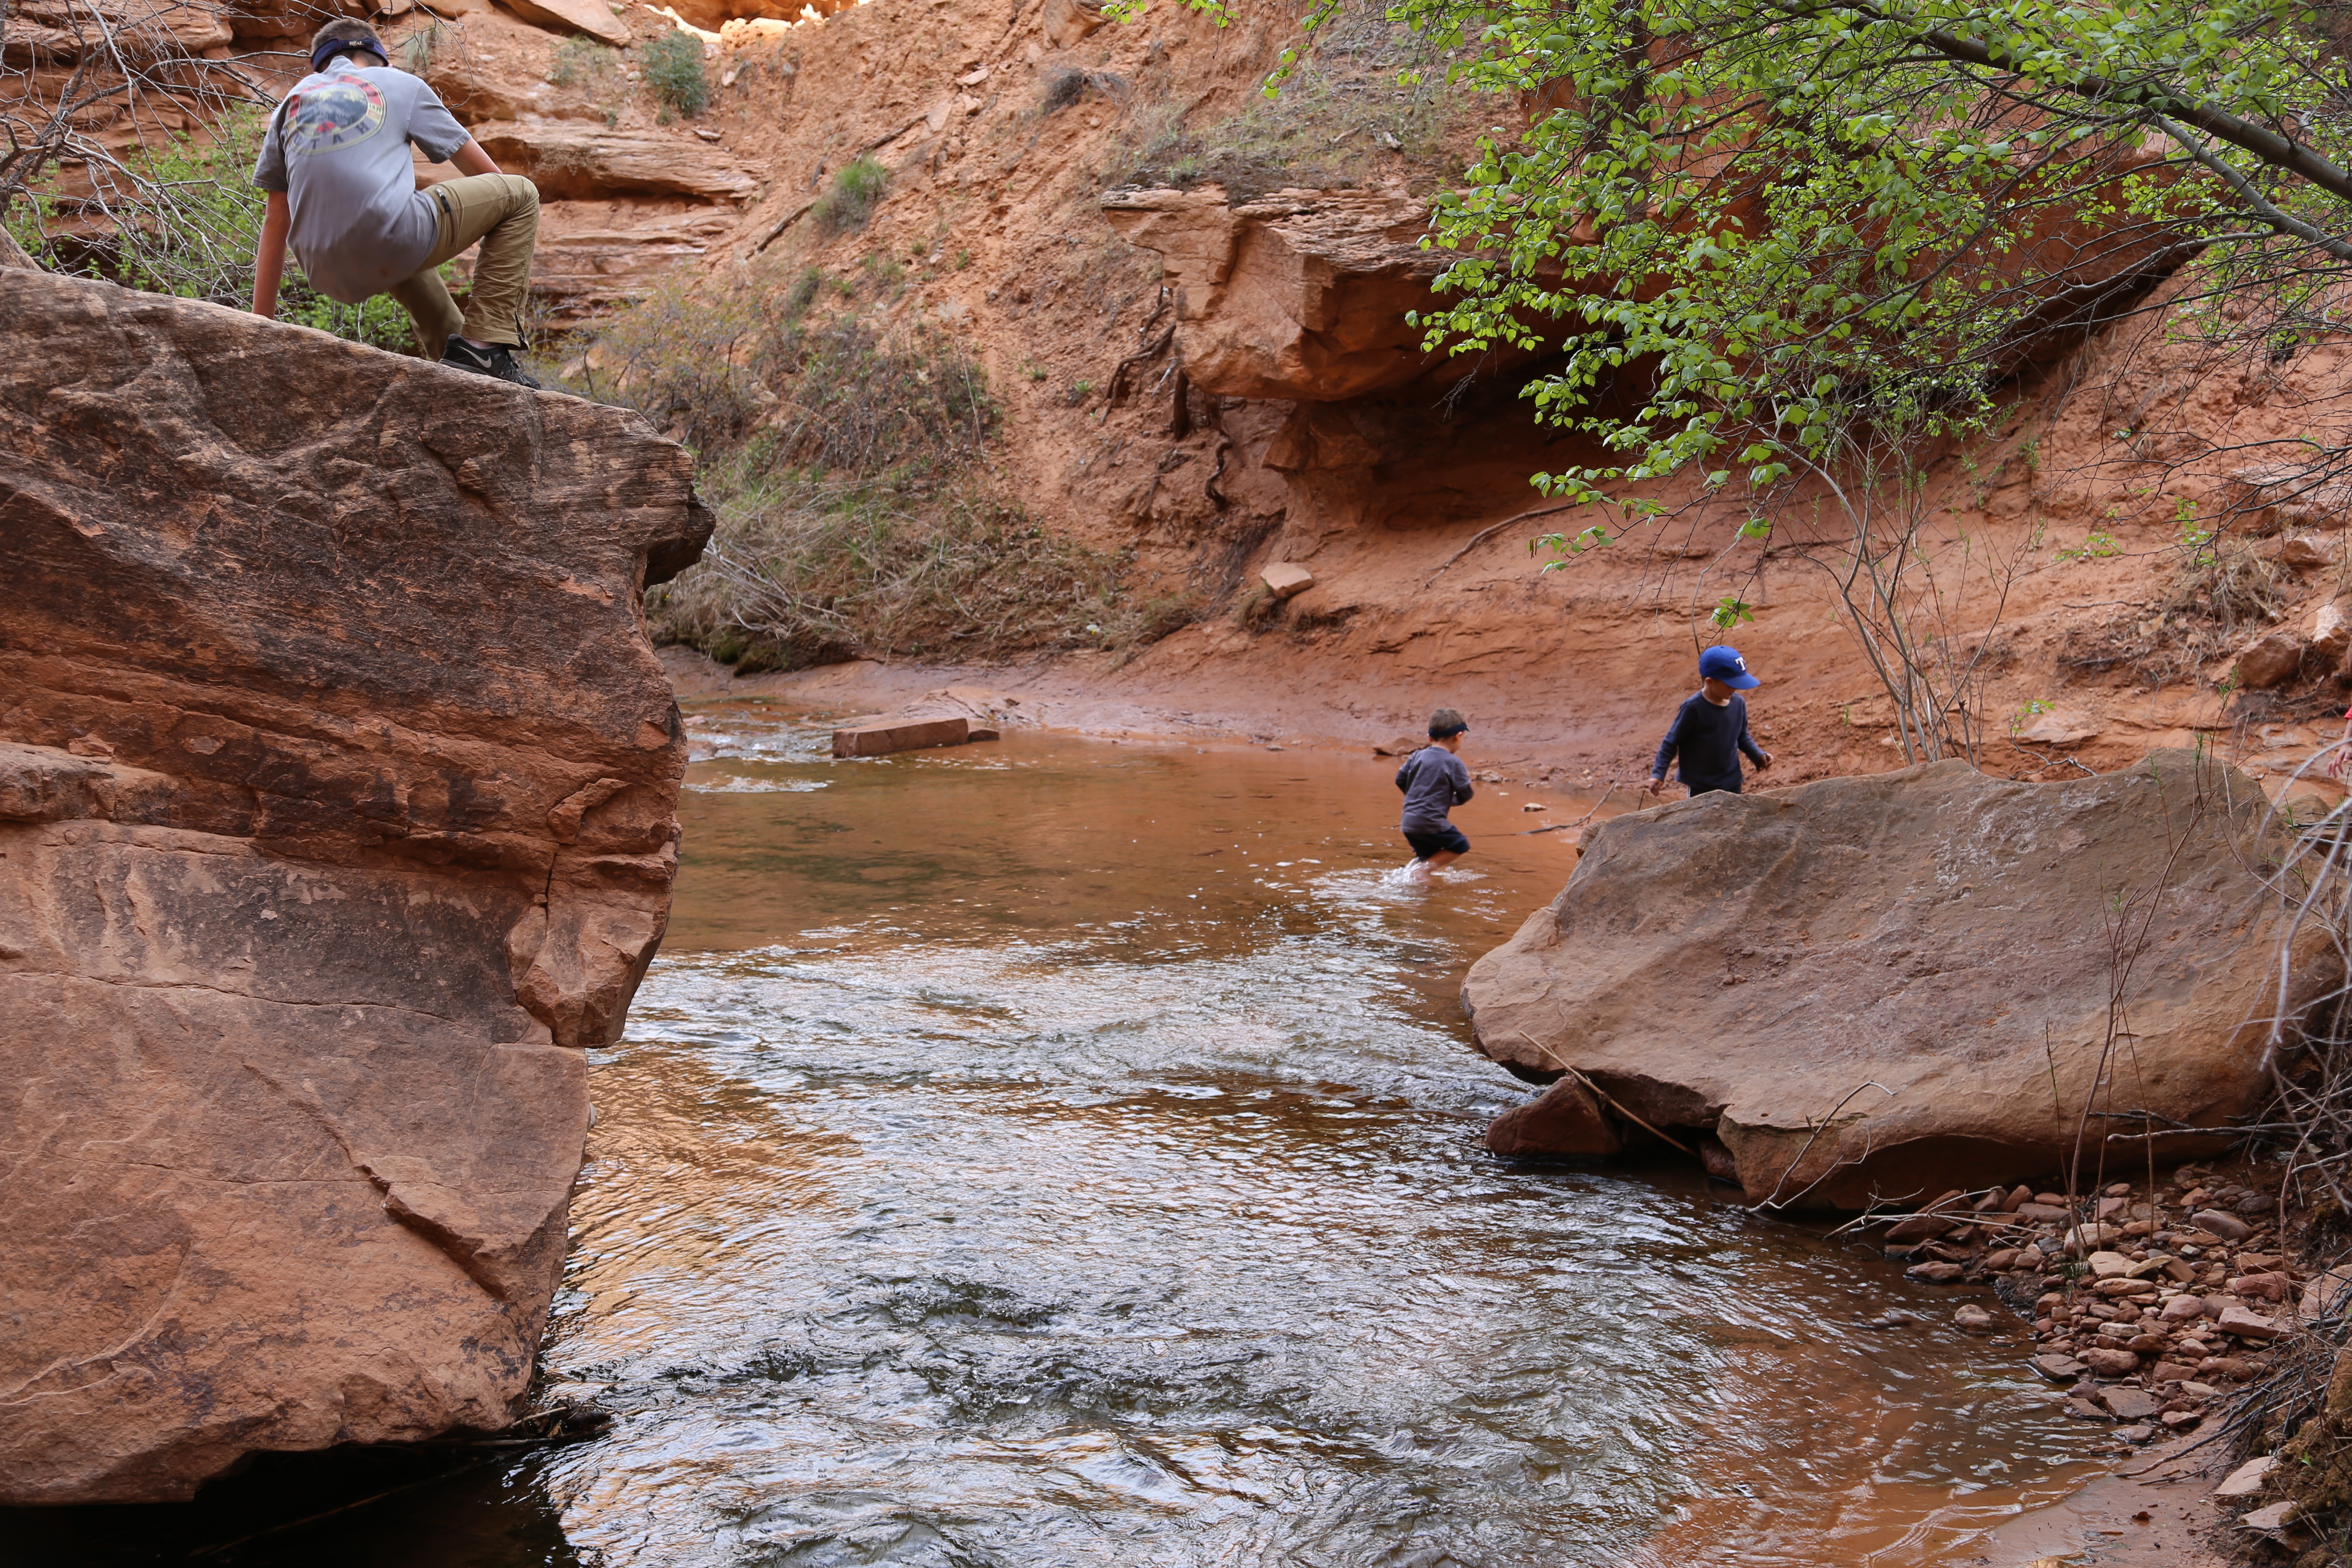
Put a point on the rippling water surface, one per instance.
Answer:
(1068, 1153)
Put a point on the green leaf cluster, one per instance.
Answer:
(1742, 231)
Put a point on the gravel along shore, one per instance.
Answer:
(2145, 1307)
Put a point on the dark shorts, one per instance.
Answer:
(1428, 841)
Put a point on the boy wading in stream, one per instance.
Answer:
(1710, 729)
(342, 190)
(1434, 782)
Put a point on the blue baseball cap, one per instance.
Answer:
(1726, 665)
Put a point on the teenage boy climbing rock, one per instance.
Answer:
(344, 191)
(1710, 729)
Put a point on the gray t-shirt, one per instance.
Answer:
(338, 147)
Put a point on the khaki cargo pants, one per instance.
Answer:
(502, 212)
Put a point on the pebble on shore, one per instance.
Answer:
(2144, 1306)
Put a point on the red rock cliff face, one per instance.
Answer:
(337, 788)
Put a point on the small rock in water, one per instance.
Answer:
(2058, 1368)
(1973, 1317)
(1936, 1273)
(2138, 1434)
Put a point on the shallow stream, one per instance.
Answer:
(1063, 1152)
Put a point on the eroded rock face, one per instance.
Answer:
(1301, 295)
(1852, 982)
(336, 781)
(568, 158)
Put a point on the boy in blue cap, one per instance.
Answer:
(1710, 729)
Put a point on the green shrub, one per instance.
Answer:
(856, 191)
(584, 62)
(803, 292)
(672, 65)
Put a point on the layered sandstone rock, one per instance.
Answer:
(570, 157)
(1300, 295)
(1852, 984)
(336, 818)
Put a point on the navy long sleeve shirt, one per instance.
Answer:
(1708, 740)
(1434, 782)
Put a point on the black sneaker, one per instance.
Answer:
(498, 360)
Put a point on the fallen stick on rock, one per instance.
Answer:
(1601, 1093)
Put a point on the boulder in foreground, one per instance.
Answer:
(337, 816)
(1853, 982)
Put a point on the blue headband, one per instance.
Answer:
(333, 46)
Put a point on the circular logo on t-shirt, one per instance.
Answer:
(344, 110)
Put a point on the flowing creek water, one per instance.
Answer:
(1063, 1152)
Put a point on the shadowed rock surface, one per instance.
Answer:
(1851, 983)
(337, 787)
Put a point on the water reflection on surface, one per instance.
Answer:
(1058, 1153)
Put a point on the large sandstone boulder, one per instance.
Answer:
(1852, 984)
(336, 786)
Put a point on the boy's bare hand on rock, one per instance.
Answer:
(1653, 786)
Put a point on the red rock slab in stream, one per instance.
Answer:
(337, 816)
(1853, 980)
(879, 738)
(1566, 1118)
